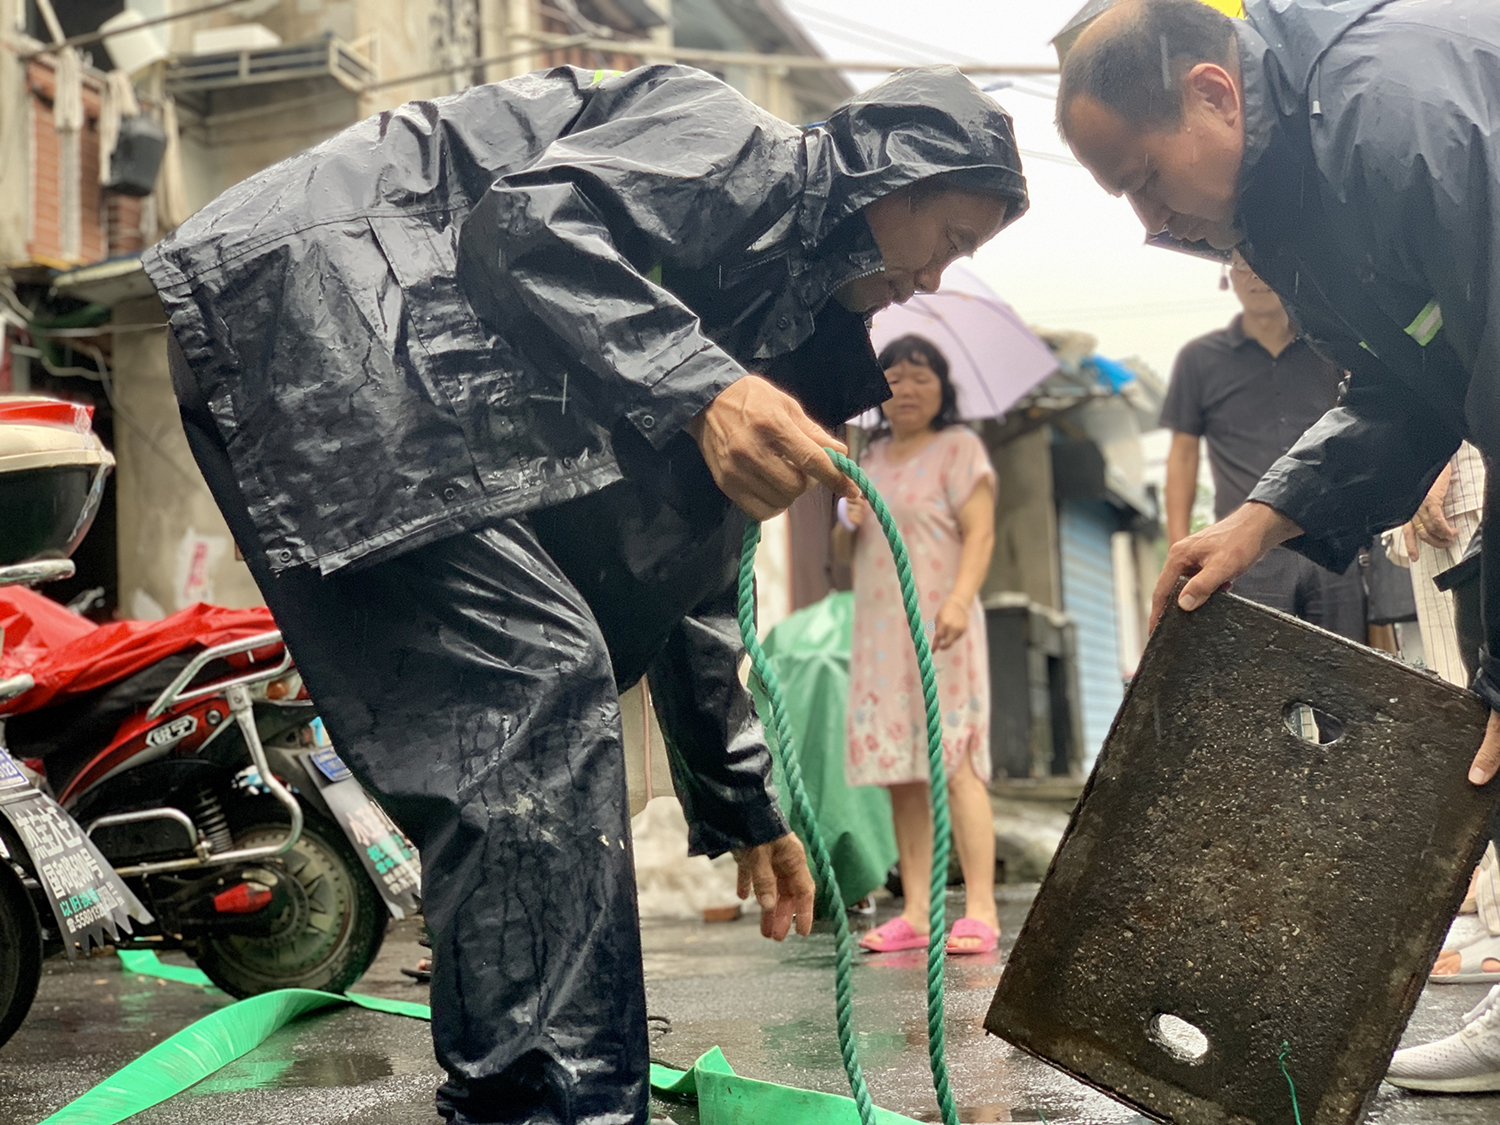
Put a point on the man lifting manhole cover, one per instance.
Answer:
(1350, 153)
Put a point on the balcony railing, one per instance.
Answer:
(328, 57)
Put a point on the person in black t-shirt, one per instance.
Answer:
(1251, 390)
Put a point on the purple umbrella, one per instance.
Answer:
(993, 358)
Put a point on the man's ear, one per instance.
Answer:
(1209, 87)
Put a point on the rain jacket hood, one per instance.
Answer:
(1287, 39)
(453, 311)
(1296, 33)
(916, 124)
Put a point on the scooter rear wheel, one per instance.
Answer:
(20, 951)
(335, 926)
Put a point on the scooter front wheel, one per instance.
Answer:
(20, 951)
(327, 936)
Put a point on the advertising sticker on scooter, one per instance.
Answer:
(325, 757)
(11, 776)
(89, 901)
(389, 857)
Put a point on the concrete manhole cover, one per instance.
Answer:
(1269, 852)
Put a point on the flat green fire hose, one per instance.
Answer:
(204, 1046)
(724, 1098)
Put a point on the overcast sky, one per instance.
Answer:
(1077, 259)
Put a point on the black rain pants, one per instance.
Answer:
(468, 685)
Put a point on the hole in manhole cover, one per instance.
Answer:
(1312, 725)
(1178, 1038)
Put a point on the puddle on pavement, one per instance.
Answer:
(321, 1071)
(812, 1044)
(673, 1113)
(983, 1114)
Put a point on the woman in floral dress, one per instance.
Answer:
(938, 482)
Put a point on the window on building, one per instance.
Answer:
(78, 17)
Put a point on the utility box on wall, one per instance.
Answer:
(137, 156)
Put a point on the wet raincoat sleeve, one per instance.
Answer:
(1408, 141)
(721, 764)
(677, 169)
(1363, 467)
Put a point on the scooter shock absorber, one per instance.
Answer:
(209, 816)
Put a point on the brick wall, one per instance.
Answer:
(110, 223)
(578, 56)
(122, 215)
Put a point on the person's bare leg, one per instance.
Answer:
(974, 836)
(1450, 961)
(912, 816)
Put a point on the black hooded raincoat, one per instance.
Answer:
(374, 394)
(1370, 201)
(437, 371)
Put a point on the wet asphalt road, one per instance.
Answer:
(768, 1007)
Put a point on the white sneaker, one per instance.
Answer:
(1467, 1062)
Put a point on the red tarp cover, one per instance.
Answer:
(67, 654)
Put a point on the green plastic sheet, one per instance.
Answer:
(810, 653)
(148, 964)
(726, 1098)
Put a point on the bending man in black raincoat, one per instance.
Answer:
(472, 384)
(1351, 151)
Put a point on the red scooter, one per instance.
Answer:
(190, 754)
(168, 785)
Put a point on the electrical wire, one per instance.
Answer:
(1116, 312)
(872, 32)
(834, 31)
(1050, 157)
(103, 378)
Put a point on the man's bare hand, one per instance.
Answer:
(762, 448)
(778, 876)
(1429, 525)
(1219, 554)
(1488, 759)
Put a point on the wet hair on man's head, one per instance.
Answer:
(1134, 58)
(919, 349)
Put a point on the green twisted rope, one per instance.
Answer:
(802, 809)
(1286, 1049)
(843, 989)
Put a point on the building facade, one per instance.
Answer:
(221, 95)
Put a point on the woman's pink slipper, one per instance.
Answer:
(987, 938)
(892, 937)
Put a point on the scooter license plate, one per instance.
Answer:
(329, 764)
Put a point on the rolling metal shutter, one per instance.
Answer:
(1088, 589)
